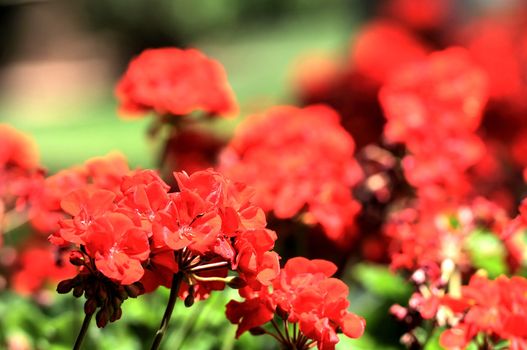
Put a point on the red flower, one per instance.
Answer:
(118, 247)
(17, 149)
(303, 293)
(368, 53)
(145, 193)
(496, 308)
(176, 82)
(99, 173)
(254, 260)
(296, 158)
(253, 312)
(45, 211)
(432, 105)
(421, 14)
(40, 266)
(85, 205)
(188, 222)
(19, 168)
(106, 172)
(233, 200)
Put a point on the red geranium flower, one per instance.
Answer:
(40, 266)
(118, 247)
(302, 293)
(19, 169)
(175, 81)
(296, 158)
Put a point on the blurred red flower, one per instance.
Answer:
(177, 82)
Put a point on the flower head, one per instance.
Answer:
(175, 81)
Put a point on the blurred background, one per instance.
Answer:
(59, 60)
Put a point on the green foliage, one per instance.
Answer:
(379, 280)
(487, 252)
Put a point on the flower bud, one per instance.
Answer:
(90, 306)
(237, 283)
(189, 300)
(78, 290)
(77, 258)
(65, 286)
(134, 290)
(102, 294)
(116, 315)
(101, 318)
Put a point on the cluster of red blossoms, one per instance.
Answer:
(140, 234)
(440, 131)
(305, 294)
(446, 91)
(313, 166)
(175, 82)
(495, 308)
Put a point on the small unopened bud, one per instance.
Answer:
(76, 258)
(78, 290)
(101, 318)
(134, 290)
(116, 315)
(237, 283)
(102, 294)
(90, 306)
(116, 303)
(189, 300)
(257, 331)
(65, 286)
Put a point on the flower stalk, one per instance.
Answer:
(83, 331)
(174, 292)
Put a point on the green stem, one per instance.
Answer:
(82, 332)
(174, 291)
(284, 341)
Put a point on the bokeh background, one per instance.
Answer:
(59, 61)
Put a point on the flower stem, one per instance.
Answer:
(82, 332)
(174, 291)
(284, 341)
(286, 329)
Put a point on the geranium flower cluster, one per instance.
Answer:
(303, 294)
(313, 169)
(176, 82)
(45, 209)
(421, 238)
(494, 309)
(448, 92)
(139, 235)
